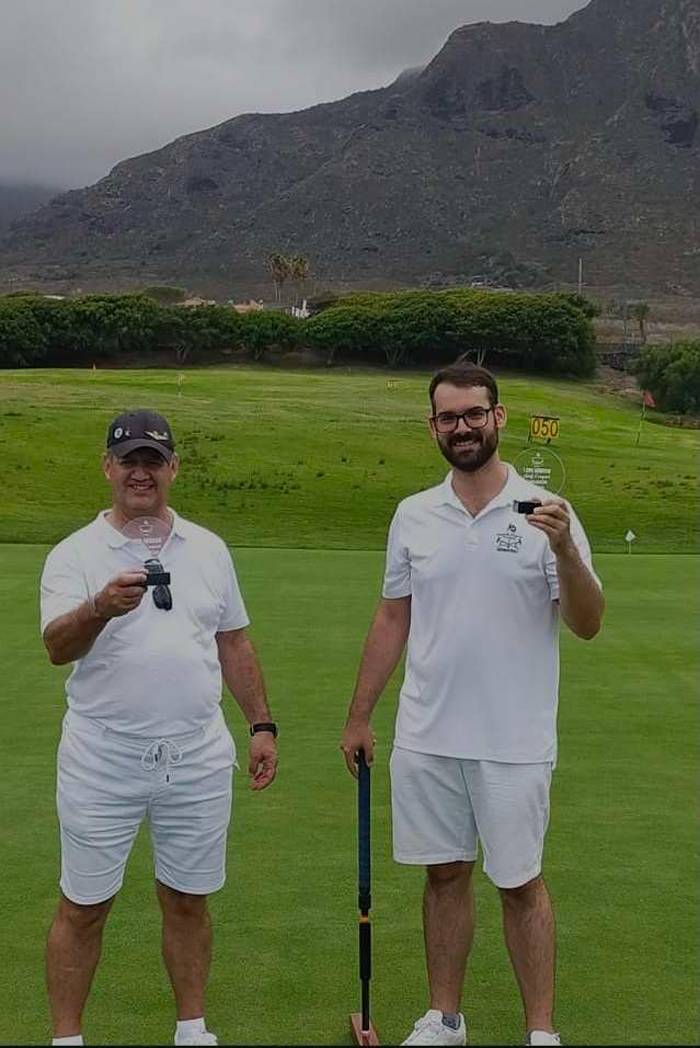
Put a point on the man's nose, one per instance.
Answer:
(462, 426)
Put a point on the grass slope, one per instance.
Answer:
(619, 860)
(319, 459)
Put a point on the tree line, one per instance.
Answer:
(548, 332)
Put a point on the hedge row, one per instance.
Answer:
(547, 332)
(41, 331)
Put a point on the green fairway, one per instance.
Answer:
(320, 458)
(620, 855)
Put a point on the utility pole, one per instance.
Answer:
(580, 276)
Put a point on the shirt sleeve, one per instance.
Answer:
(233, 611)
(397, 572)
(63, 584)
(582, 545)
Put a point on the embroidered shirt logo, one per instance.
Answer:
(509, 541)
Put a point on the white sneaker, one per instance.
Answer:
(542, 1037)
(203, 1037)
(430, 1029)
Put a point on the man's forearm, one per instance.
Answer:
(241, 672)
(71, 636)
(381, 654)
(581, 602)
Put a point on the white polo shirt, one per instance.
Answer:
(150, 672)
(482, 663)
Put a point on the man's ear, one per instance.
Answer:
(501, 415)
(174, 466)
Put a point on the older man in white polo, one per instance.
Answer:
(144, 736)
(477, 591)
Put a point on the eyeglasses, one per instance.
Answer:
(447, 421)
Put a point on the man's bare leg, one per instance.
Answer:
(528, 923)
(187, 941)
(448, 923)
(72, 953)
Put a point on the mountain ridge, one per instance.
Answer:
(516, 150)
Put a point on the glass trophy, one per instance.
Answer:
(152, 533)
(541, 466)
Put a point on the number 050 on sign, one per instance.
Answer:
(544, 427)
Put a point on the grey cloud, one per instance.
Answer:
(87, 83)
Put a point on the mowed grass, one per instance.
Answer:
(320, 458)
(619, 860)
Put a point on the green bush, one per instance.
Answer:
(672, 375)
(542, 332)
(261, 330)
(106, 325)
(195, 329)
(23, 336)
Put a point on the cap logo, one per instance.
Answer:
(119, 433)
(156, 435)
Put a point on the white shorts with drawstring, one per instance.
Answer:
(109, 782)
(444, 807)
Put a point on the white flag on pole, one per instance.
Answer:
(630, 536)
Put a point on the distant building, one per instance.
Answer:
(251, 306)
(196, 301)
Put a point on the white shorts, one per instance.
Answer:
(442, 807)
(108, 783)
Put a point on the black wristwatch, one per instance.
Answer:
(264, 726)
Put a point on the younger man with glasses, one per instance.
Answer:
(144, 735)
(477, 591)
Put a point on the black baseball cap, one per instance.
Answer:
(140, 429)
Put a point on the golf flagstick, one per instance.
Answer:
(360, 1022)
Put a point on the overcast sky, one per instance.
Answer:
(87, 83)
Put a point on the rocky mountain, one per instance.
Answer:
(516, 151)
(20, 198)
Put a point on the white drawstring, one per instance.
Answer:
(156, 751)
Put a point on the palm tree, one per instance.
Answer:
(640, 311)
(279, 268)
(299, 269)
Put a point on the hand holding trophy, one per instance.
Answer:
(539, 464)
(543, 467)
(153, 533)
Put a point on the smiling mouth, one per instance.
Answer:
(465, 445)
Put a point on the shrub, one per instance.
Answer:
(672, 375)
(265, 330)
(199, 329)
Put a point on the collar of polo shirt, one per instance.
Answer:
(515, 487)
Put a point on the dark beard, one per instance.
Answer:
(478, 455)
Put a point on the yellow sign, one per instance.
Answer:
(544, 427)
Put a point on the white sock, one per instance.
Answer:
(77, 1038)
(186, 1027)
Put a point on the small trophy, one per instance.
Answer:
(543, 467)
(153, 533)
